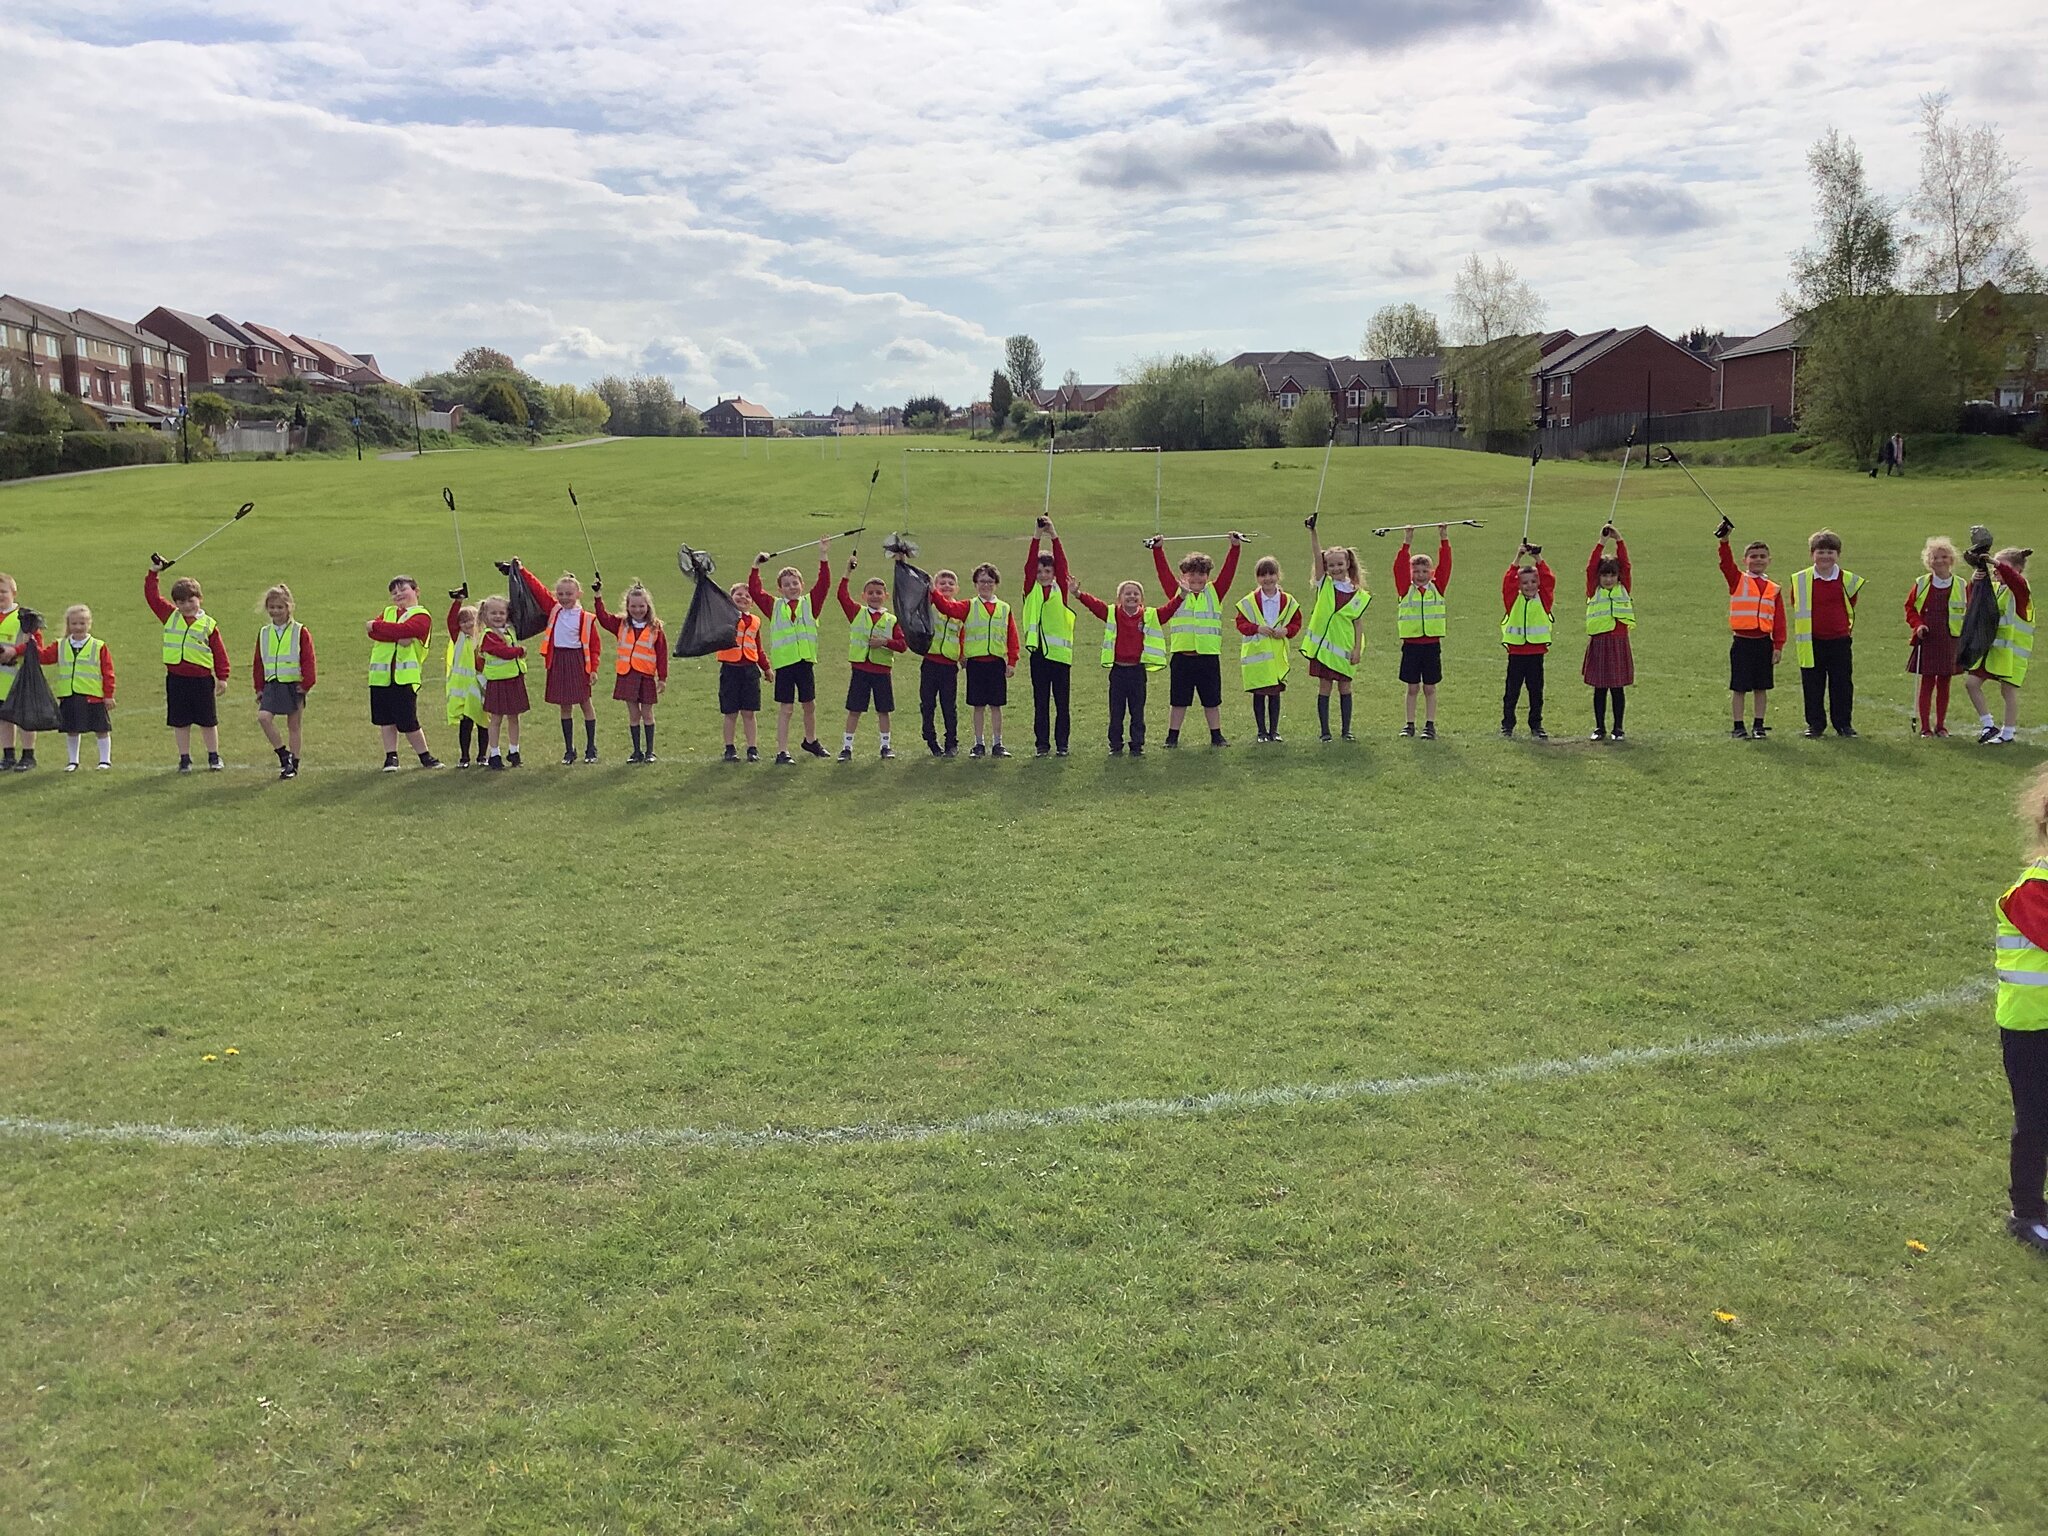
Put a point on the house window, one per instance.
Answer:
(178, 364)
(1354, 397)
(1287, 399)
(1565, 386)
(124, 390)
(50, 347)
(121, 356)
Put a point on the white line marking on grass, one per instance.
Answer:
(900, 1133)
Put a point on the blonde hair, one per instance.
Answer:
(7, 581)
(75, 610)
(2012, 556)
(503, 604)
(1934, 546)
(280, 590)
(2033, 809)
(636, 585)
(943, 572)
(573, 580)
(470, 612)
(1355, 567)
(739, 594)
(1140, 586)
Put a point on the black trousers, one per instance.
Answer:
(1127, 696)
(1052, 688)
(1829, 687)
(1523, 670)
(938, 688)
(2026, 1071)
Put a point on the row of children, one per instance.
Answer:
(983, 639)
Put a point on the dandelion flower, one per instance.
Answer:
(231, 1051)
(1726, 1319)
(1914, 1245)
(209, 1056)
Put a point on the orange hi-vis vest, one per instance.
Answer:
(638, 649)
(586, 635)
(747, 638)
(1753, 605)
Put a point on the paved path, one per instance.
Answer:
(73, 474)
(585, 442)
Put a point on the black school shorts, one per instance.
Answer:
(1750, 669)
(739, 687)
(189, 701)
(796, 683)
(865, 690)
(1422, 664)
(1190, 673)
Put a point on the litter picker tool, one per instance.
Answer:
(1627, 448)
(1050, 434)
(1666, 456)
(1197, 538)
(869, 501)
(1309, 522)
(1529, 499)
(850, 533)
(448, 496)
(164, 565)
(1456, 522)
(595, 574)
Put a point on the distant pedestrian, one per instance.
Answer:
(1895, 464)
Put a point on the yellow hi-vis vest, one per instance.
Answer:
(792, 637)
(1420, 613)
(1608, 607)
(78, 669)
(189, 642)
(1197, 625)
(279, 649)
(1152, 647)
(10, 634)
(2022, 969)
(465, 681)
(1262, 660)
(392, 663)
(947, 633)
(1958, 600)
(1802, 608)
(1047, 624)
(868, 640)
(1526, 623)
(2014, 645)
(1328, 636)
(988, 634)
(496, 669)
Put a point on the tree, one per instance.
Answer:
(1855, 249)
(1025, 365)
(500, 402)
(38, 413)
(485, 360)
(209, 412)
(1070, 380)
(1309, 423)
(1189, 401)
(926, 413)
(1497, 321)
(1488, 303)
(1872, 365)
(653, 408)
(1401, 330)
(1967, 208)
(999, 398)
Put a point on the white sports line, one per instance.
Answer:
(903, 1133)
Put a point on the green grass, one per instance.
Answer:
(1939, 455)
(1474, 1308)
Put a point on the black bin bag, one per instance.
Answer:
(913, 595)
(523, 609)
(30, 705)
(712, 624)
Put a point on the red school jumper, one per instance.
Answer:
(1130, 627)
(163, 608)
(1440, 578)
(766, 601)
(895, 642)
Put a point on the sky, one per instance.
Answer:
(847, 200)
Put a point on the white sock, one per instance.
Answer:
(847, 744)
(71, 750)
(1986, 721)
(885, 738)
(107, 750)
(2009, 733)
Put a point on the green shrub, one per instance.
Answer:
(501, 402)
(29, 453)
(109, 450)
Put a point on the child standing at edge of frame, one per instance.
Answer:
(2020, 962)
(1422, 619)
(1046, 621)
(464, 679)
(792, 616)
(1823, 616)
(1267, 618)
(1133, 648)
(1756, 622)
(988, 651)
(1334, 644)
(872, 634)
(569, 657)
(2014, 647)
(741, 666)
(938, 674)
(1610, 665)
(195, 665)
(12, 644)
(83, 684)
(1935, 606)
(1194, 637)
(283, 673)
(642, 651)
(399, 641)
(502, 661)
(1526, 626)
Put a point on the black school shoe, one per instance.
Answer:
(816, 749)
(753, 754)
(1429, 730)
(785, 759)
(1810, 734)
(1539, 733)
(732, 753)
(590, 754)
(1739, 732)
(1847, 730)
(2031, 1230)
(569, 758)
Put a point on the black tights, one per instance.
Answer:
(465, 733)
(1600, 708)
(1266, 713)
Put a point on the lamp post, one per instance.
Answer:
(355, 424)
(184, 443)
(419, 446)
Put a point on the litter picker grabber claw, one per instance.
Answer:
(164, 565)
(595, 574)
(1199, 538)
(1456, 522)
(448, 496)
(1529, 498)
(1309, 522)
(1666, 456)
(1627, 448)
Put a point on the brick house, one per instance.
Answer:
(1087, 399)
(298, 361)
(31, 348)
(2010, 332)
(262, 357)
(157, 370)
(1764, 370)
(1609, 372)
(213, 356)
(738, 417)
(1405, 386)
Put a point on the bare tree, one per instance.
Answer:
(1490, 302)
(1025, 365)
(1401, 330)
(1494, 318)
(1855, 249)
(1968, 207)
(1070, 379)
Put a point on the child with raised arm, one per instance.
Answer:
(938, 674)
(1334, 642)
(1267, 618)
(195, 665)
(1422, 619)
(642, 653)
(988, 651)
(12, 643)
(1526, 594)
(2014, 646)
(741, 666)
(2020, 964)
(1823, 616)
(569, 656)
(463, 677)
(283, 672)
(1756, 622)
(792, 616)
(83, 683)
(502, 661)
(1133, 648)
(1046, 622)
(1194, 637)
(872, 634)
(1610, 665)
(1935, 605)
(399, 640)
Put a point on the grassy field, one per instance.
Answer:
(1465, 1279)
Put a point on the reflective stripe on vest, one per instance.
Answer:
(1958, 600)
(1048, 624)
(1753, 605)
(465, 681)
(279, 649)
(988, 634)
(947, 635)
(639, 648)
(746, 644)
(10, 632)
(792, 636)
(1420, 614)
(2022, 968)
(2013, 647)
(391, 662)
(1197, 625)
(1802, 608)
(1526, 623)
(78, 671)
(497, 668)
(1609, 606)
(868, 640)
(1262, 660)
(189, 643)
(1328, 636)
(1152, 645)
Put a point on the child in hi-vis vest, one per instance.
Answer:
(792, 616)
(12, 643)
(741, 666)
(1267, 618)
(1333, 643)
(501, 660)
(642, 663)
(1823, 618)
(1133, 648)
(1422, 619)
(938, 675)
(1756, 622)
(1194, 636)
(1526, 592)
(1046, 622)
(463, 677)
(2012, 649)
(82, 679)
(195, 665)
(1935, 605)
(2020, 963)
(400, 638)
(872, 635)
(1610, 665)
(988, 652)
(283, 672)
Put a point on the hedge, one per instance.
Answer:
(23, 456)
